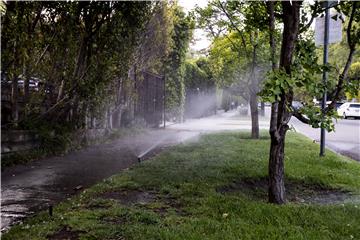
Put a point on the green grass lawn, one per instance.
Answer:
(213, 189)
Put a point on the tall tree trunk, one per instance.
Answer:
(26, 82)
(253, 97)
(14, 88)
(262, 109)
(254, 115)
(14, 100)
(291, 19)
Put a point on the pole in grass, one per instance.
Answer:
(325, 74)
(50, 210)
(324, 35)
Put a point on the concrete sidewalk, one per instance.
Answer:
(26, 189)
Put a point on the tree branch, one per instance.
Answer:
(343, 75)
(235, 27)
(313, 16)
(301, 117)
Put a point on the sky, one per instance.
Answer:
(200, 39)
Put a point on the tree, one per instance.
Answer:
(297, 65)
(238, 45)
(200, 88)
(78, 51)
(174, 67)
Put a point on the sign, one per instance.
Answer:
(335, 29)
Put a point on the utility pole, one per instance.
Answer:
(325, 74)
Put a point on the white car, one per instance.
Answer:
(349, 109)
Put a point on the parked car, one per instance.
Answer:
(338, 104)
(296, 105)
(349, 109)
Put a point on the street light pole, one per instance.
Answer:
(325, 74)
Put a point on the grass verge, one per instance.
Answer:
(213, 189)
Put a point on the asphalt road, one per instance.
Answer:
(345, 140)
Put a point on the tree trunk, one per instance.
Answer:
(280, 115)
(262, 109)
(253, 98)
(14, 100)
(14, 88)
(26, 83)
(254, 115)
(276, 170)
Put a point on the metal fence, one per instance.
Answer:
(150, 104)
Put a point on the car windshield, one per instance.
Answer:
(355, 105)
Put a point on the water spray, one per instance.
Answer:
(141, 155)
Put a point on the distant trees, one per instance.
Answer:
(200, 88)
(238, 54)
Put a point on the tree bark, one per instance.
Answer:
(254, 115)
(254, 87)
(276, 169)
(279, 127)
(262, 109)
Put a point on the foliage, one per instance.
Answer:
(188, 203)
(305, 80)
(174, 66)
(353, 85)
(78, 50)
(197, 74)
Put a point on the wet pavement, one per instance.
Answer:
(27, 189)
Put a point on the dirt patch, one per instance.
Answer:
(65, 233)
(96, 206)
(296, 191)
(129, 197)
(169, 204)
(176, 205)
(114, 220)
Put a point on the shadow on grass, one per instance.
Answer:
(150, 199)
(65, 233)
(296, 191)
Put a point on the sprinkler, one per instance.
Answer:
(50, 210)
(152, 147)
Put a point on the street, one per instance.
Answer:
(345, 140)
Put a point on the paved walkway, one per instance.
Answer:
(29, 188)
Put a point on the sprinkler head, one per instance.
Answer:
(50, 210)
(139, 159)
